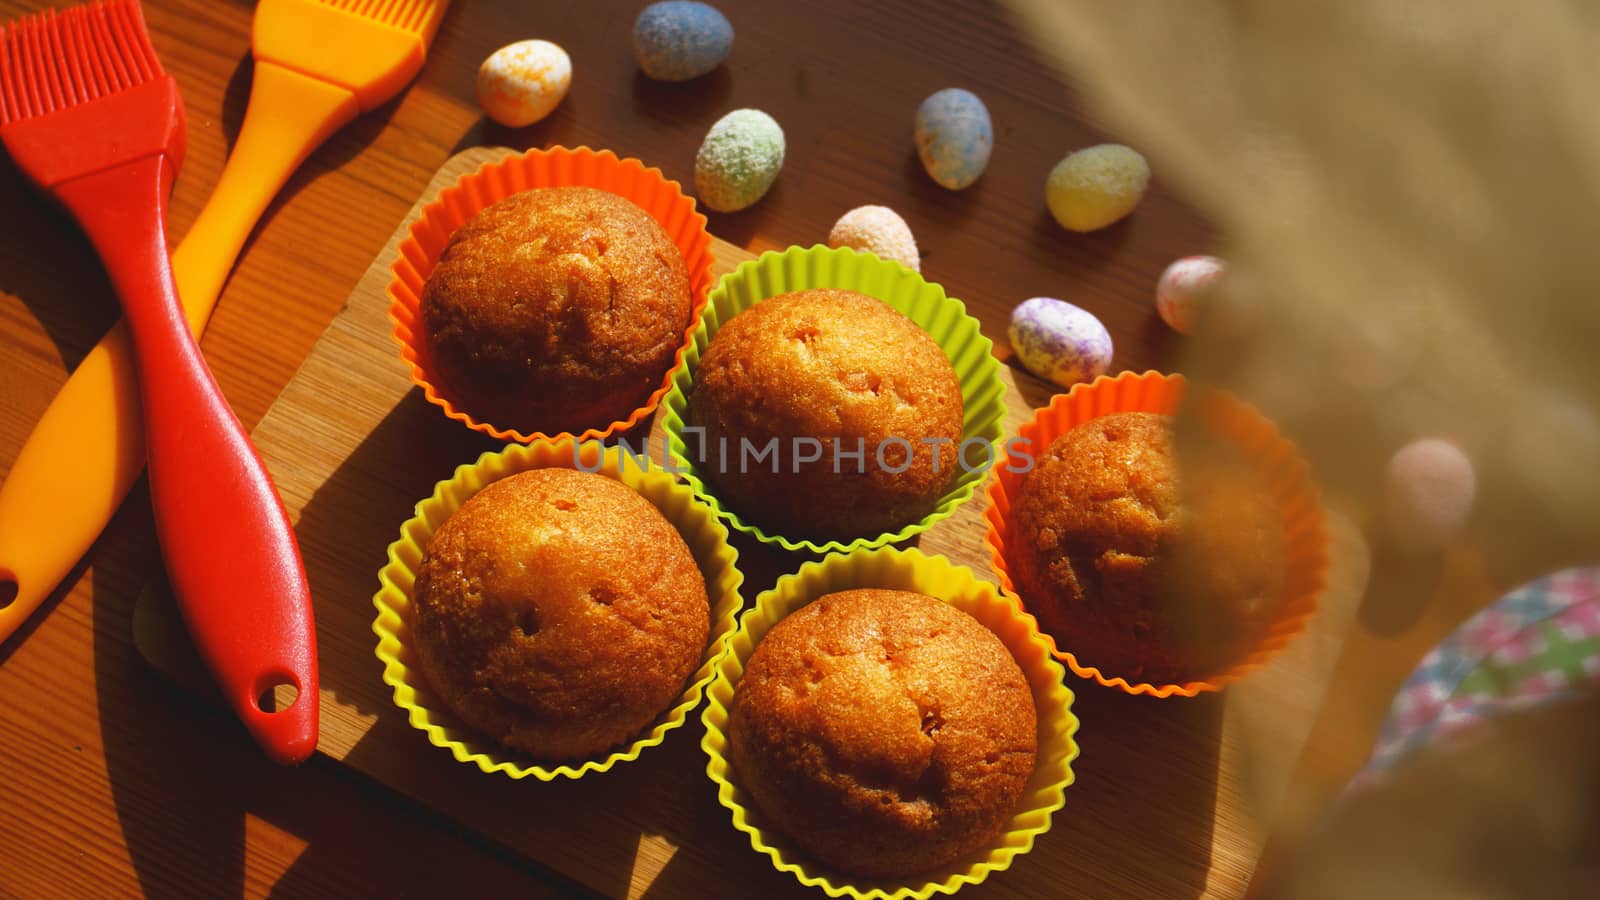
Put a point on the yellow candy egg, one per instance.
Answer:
(521, 83)
(1096, 186)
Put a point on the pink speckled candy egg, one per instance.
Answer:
(878, 230)
(1184, 284)
(1428, 492)
(521, 83)
(1060, 342)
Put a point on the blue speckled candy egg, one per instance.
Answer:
(739, 160)
(1060, 342)
(954, 137)
(678, 40)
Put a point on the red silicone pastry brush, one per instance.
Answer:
(88, 114)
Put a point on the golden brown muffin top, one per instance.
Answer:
(828, 364)
(1143, 572)
(560, 303)
(1110, 483)
(559, 612)
(885, 731)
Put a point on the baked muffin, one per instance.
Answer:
(849, 372)
(559, 613)
(555, 309)
(1140, 573)
(884, 732)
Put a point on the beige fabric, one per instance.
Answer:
(1410, 191)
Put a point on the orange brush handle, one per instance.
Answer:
(87, 450)
(289, 116)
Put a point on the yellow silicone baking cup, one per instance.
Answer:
(430, 232)
(706, 537)
(909, 570)
(1286, 475)
(943, 317)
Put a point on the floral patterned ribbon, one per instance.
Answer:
(1537, 644)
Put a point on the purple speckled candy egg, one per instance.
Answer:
(1060, 342)
(1184, 284)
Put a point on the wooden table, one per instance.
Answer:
(112, 781)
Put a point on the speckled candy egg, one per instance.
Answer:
(1060, 342)
(1096, 186)
(1184, 284)
(878, 230)
(738, 160)
(678, 40)
(954, 137)
(521, 83)
(1428, 492)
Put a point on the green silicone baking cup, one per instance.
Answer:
(943, 317)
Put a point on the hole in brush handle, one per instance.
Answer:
(280, 708)
(276, 691)
(277, 696)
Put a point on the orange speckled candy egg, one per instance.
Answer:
(521, 83)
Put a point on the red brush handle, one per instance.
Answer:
(230, 552)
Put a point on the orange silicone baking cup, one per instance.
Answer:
(631, 179)
(1274, 458)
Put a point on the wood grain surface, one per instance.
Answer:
(354, 445)
(114, 783)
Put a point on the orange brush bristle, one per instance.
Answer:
(371, 48)
(418, 16)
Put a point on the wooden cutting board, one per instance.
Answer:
(1170, 794)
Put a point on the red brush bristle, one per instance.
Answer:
(51, 61)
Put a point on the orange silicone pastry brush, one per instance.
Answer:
(318, 64)
(88, 114)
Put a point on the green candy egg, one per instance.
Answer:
(739, 160)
